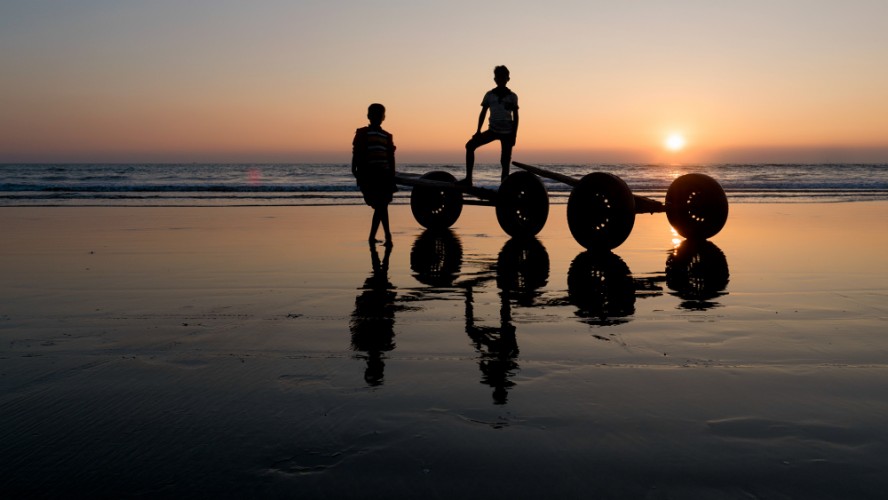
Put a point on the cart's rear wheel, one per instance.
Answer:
(696, 206)
(522, 205)
(601, 211)
(436, 208)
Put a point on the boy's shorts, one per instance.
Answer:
(488, 136)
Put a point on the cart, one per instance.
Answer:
(521, 202)
(601, 208)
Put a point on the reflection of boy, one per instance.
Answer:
(373, 165)
(503, 124)
(373, 321)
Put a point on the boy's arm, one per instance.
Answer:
(515, 126)
(391, 152)
(354, 162)
(357, 149)
(481, 119)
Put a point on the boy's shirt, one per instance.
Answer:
(501, 103)
(373, 151)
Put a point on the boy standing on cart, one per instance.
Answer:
(503, 125)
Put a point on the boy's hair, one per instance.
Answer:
(375, 110)
(501, 70)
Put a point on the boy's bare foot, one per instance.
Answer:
(388, 243)
(465, 182)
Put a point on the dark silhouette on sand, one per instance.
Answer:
(601, 287)
(497, 347)
(373, 165)
(604, 291)
(522, 268)
(502, 104)
(373, 320)
(436, 257)
(697, 272)
(520, 271)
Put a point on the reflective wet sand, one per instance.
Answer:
(272, 352)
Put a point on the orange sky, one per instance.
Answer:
(278, 81)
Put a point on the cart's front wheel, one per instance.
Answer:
(601, 211)
(433, 207)
(522, 205)
(696, 206)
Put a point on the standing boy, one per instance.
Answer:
(373, 165)
(503, 125)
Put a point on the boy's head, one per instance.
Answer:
(501, 75)
(376, 113)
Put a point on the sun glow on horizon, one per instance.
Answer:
(675, 142)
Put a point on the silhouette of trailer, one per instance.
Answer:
(521, 202)
(601, 208)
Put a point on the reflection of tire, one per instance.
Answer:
(436, 208)
(696, 206)
(600, 285)
(522, 267)
(436, 257)
(522, 205)
(601, 211)
(697, 270)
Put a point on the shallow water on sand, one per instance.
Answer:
(271, 352)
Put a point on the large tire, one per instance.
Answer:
(436, 208)
(601, 211)
(696, 206)
(522, 205)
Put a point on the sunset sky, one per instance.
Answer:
(289, 81)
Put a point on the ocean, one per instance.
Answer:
(332, 184)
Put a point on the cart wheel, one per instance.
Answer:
(436, 208)
(522, 205)
(696, 206)
(601, 211)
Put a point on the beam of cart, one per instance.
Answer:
(601, 208)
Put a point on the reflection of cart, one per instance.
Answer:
(521, 202)
(601, 208)
(521, 270)
(604, 290)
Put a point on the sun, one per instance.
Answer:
(675, 142)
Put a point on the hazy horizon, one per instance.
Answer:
(824, 155)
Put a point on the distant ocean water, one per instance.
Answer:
(333, 184)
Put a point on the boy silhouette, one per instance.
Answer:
(373, 165)
(503, 125)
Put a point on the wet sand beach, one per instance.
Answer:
(271, 352)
